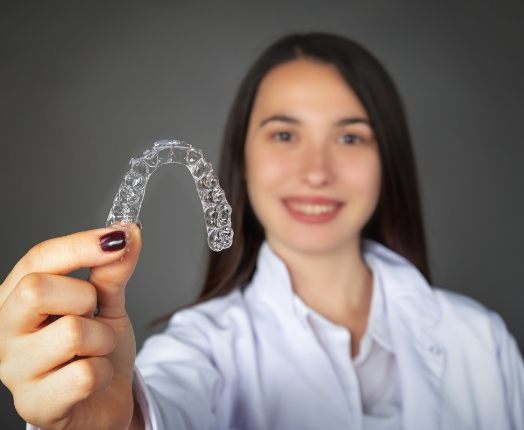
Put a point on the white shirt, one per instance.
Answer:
(260, 359)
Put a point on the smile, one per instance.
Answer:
(311, 209)
(313, 213)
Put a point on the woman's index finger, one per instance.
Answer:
(60, 256)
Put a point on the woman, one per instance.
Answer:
(321, 314)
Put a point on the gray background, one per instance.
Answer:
(86, 86)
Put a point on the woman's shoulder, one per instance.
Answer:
(456, 302)
(467, 315)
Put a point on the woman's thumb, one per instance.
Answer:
(110, 280)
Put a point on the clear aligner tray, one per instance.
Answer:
(217, 211)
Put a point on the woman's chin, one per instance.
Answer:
(312, 244)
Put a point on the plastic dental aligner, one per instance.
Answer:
(217, 211)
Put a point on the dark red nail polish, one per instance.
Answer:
(113, 241)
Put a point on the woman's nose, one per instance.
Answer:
(317, 166)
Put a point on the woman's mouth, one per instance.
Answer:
(312, 212)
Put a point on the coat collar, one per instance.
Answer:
(404, 287)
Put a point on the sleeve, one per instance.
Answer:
(143, 399)
(177, 381)
(512, 370)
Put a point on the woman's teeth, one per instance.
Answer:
(310, 209)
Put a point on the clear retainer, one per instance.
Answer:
(217, 211)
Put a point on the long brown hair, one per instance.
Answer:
(397, 221)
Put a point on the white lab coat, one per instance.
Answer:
(241, 361)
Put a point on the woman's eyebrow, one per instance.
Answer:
(280, 118)
(352, 120)
(291, 120)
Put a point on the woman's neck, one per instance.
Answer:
(338, 285)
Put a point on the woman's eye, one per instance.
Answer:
(351, 138)
(284, 136)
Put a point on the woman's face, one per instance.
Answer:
(312, 163)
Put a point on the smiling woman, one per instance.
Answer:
(322, 313)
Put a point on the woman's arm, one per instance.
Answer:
(175, 379)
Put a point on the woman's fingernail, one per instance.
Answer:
(113, 241)
(139, 224)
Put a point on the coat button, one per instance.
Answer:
(435, 350)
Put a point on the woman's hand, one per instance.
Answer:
(73, 371)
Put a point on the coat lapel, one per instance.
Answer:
(412, 313)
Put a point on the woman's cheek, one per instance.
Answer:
(272, 169)
(363, 176)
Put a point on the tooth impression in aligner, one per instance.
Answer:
(217, 211)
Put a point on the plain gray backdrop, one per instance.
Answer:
(85, 86)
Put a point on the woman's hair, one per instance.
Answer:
(397, 221)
